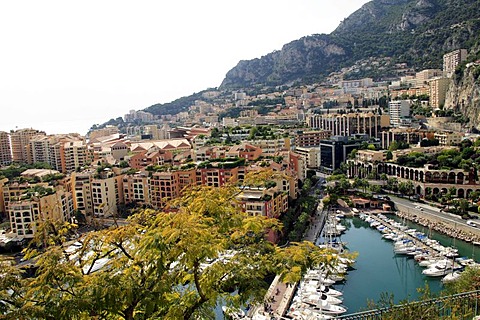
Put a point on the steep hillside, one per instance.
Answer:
(463, 94)
(418, 32)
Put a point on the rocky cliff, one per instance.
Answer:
(417, 32)
(463, 94)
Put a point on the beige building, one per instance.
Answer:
(75, 155)
(27, 210)
(311, 156)
(82, 193)
(64, 153)
(350, 123)
(422, 77)
(3, 182)
(438, 91)
(452, 59)
(449, 138)
(105, 195)
(107, 131)
(272, 146)
(5, 149)
(20, 143)
(370, 155)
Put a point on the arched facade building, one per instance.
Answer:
(425, 180)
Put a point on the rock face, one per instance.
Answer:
(417, 32)
(463, 95)
(308, 55)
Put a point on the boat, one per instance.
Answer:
(233, 313)
(316, 298)
(440, 268)
(327, 308)
(314, 285)
(451, 276)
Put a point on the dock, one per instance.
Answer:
(279, 295)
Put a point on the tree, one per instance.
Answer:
(163, 265)
(389, 155)
(406, 188)
(392, 184)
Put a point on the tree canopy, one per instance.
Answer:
(176, 264)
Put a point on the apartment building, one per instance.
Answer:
(272, 146)
(360, 83)
(5, 149)
(107, 131)
(25, 210)
(20, 144)
(406, 135)
(263, 202)
(217, 177)
(40, 148)
(311, 155)
(438, 91)
(449, 138)
(163, 187)
(370, 156)
(74, 155)
(306, 139)
(350, 123)
(82, 192)
(3, 182)
(423, 77)
(245, 151)
(298, 165)
(412, 91)
(452, 59)
(136, 188)
(398, 110)
(64, 153)
(151, 157)
(106, 195)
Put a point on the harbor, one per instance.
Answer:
(393, 253)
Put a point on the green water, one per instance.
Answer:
(378, 270)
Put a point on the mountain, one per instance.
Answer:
(416, 32)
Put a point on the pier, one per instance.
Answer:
(416, 241)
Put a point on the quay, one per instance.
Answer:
(279, 295)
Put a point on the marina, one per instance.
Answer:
(396, 257)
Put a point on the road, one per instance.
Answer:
(422, 209)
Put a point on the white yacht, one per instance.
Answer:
(451, 276)
(233, 313)
(440, 268)
(327, 308)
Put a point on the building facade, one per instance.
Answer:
(398, 110)
(20, 144)
(351, 123)
(438, 91)
(5, 149)
(452, 59)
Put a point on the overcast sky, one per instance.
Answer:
(67, 65)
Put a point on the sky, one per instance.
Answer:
(66, 65)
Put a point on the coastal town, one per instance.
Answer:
(399, 137)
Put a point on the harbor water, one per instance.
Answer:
(379, 271)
